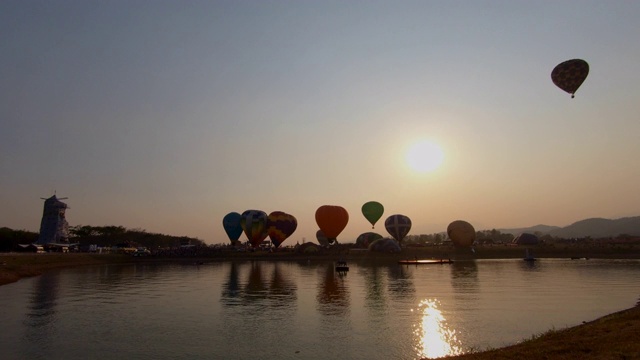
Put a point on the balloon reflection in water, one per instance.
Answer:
(434, 338)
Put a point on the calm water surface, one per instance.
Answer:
(290, 310)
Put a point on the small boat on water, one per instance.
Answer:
(579, 258)
(425, 261)
(528, 257)
(341, 266)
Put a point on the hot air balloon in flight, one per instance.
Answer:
(398, 226)
(372, 211)
(461, 233)
(280, 226)
(332, 219)
(569, 75)
(322, 238)
(232, 226)
(254, 224)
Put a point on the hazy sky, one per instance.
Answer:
(167, 115)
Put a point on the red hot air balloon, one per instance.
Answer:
(398, 226)
(254, 224)
(332, 219)
(280, 226)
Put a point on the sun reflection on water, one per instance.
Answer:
(434, 338)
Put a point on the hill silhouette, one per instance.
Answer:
(593, 227)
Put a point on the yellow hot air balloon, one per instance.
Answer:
(461, 233)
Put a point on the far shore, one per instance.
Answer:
(14, 266)
(614, 336)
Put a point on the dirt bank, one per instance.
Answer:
(613, 336)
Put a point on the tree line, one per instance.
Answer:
(103, 236)
(492, 236)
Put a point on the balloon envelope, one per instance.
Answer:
(231, 224)
(365, 239)
(308, 248)
(254, 224)
(372, 211)
(570, 74)
(398, 226)
(322, 238)
(526, 239)
(385, 245)
(332, 219)
(280, 226)
(461, 233)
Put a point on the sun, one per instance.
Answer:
(424, 156)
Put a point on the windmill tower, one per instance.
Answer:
(53, 227)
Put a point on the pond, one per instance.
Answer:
(304, 310)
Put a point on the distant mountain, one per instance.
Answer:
(594, 228)
(599, 228)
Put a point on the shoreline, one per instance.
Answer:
(15, 266)
(610, 336)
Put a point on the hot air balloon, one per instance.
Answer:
(254, 224)
(372, 211)
(365, 239)
(461, 233)
(570, 74)
(322, 239)
(526, 239)
(387, 245)
(308, 248)
(280, 226)
(332, 219)
(232, 226)
(398, 226)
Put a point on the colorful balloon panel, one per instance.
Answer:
(461, 233)
(232, 226)
(570, 74)
(254, 224)
(332, 219)
(398, 226)
(372, 211)
(280, 226)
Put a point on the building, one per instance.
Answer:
(53, 227)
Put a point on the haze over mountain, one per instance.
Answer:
(594, 228)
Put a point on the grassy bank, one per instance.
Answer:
(615, 336)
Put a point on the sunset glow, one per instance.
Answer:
(424, 156)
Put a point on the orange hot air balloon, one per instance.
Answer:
(332, 219)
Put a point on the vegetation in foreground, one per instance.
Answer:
(615, 336)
